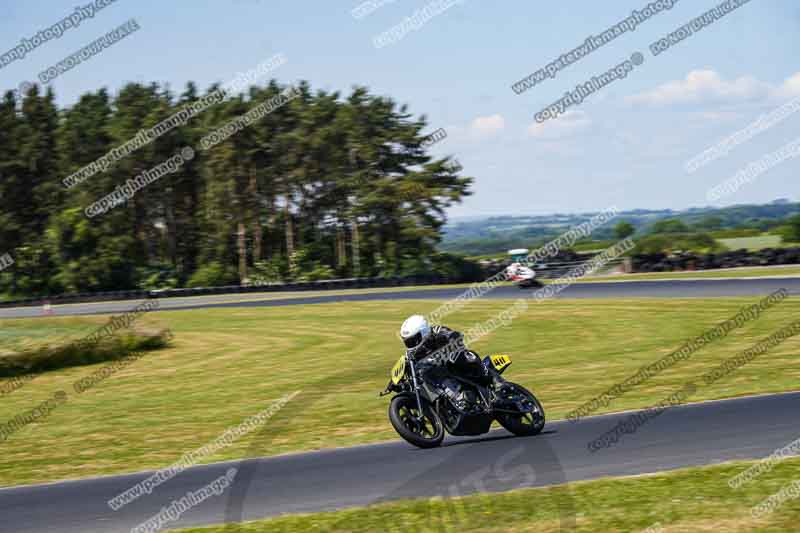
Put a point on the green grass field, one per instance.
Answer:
(227, 364)
(753, 243)
(754, 272)
(688, 501)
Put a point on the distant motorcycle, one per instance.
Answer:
(523, 276)
(423, 409)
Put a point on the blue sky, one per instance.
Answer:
(626, 145)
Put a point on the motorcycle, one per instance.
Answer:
(423, 409)
(518, 271)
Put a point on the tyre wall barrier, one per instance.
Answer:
(333, 284)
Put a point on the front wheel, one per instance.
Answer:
(523, 424)
(404, 415)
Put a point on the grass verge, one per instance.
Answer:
(755, 243)
(688, 500)
(755, 272)
(37, 358)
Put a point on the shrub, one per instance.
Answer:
(303, 267)
(213, 274)
(273, 271)
(456, 268)
(49, 357)
(689, 242)
(669, 225)
(623, 230)
(735, 233)
(157, 277)
(791, 233)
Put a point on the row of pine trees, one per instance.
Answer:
(324, 186)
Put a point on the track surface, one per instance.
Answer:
(707, 288)
(698, 434)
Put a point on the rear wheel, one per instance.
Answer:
(426, 431)
(522, 424)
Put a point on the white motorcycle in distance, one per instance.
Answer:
(523, 276)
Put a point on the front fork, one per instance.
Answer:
(416, 387)
(497, 380)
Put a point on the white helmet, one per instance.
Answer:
(414, 331)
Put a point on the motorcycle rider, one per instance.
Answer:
(439, 347)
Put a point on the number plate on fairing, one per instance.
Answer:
(399, 370)
(500, 361)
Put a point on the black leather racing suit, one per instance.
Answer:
(444, 349)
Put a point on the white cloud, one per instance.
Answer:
(789, 88)
(707, 86)
(566, 125)
(715, 116)
(703, 86)
(484, 127)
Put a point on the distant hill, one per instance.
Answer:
(497, 234)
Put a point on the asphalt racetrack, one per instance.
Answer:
(693, 434)
(690, 435)
(698, 288)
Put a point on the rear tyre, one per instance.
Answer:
(404, 416)
(523, 424)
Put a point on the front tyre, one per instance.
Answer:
(523, 424)
(404, 416)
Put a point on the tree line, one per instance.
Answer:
(326, 185)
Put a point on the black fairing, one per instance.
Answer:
(471, 425)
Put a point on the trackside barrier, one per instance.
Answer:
(232, 289)
(550, 270)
